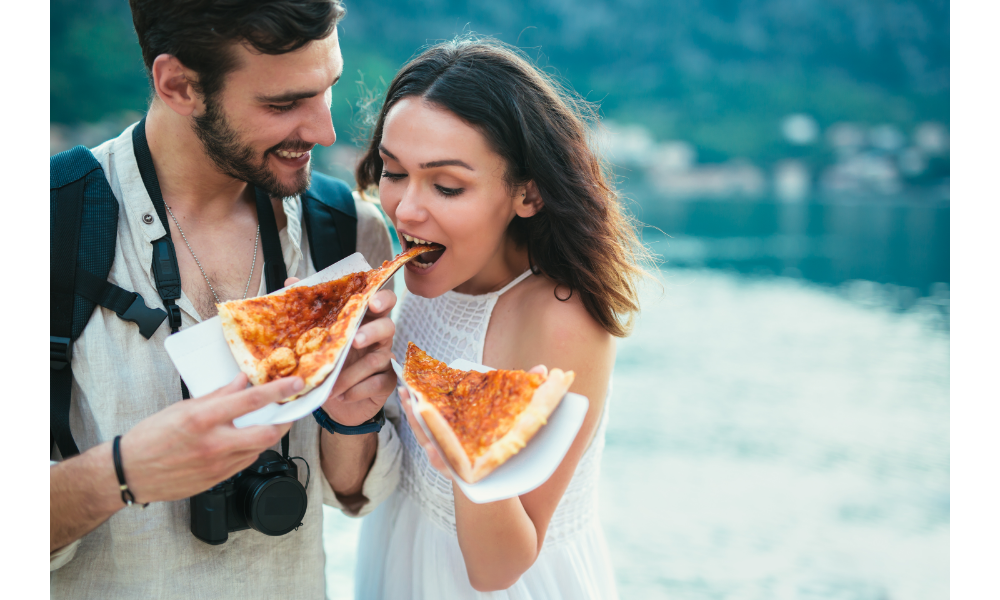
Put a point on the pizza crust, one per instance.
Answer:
(544, 400)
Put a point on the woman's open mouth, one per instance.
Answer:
(425, 260)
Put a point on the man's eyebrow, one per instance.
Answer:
(293, 96)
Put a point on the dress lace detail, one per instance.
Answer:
(450, 327)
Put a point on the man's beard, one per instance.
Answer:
(237, 159)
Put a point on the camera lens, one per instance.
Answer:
(276, 505)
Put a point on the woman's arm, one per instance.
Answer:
(501, 540)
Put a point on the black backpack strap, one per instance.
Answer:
(67, 181)
(165, 270)
(331, 220)
(83, 227)
(275, 272)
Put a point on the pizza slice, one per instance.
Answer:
(480, 420)
(303, 330)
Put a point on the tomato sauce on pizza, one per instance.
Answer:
(480, 407)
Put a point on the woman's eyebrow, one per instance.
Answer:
(430, 165)
(446, 163)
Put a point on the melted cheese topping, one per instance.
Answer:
(279, 330)
(480, 407)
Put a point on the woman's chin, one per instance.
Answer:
(421, 283)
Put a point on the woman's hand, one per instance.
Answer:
(432, 454)
(435, 458)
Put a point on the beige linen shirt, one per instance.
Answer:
(120, 378)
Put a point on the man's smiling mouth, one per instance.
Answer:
(426, 259)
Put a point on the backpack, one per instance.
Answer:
(83, 227)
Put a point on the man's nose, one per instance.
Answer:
(317, 125)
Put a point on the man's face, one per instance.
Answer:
(270, 113)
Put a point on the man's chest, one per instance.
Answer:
(225, 265)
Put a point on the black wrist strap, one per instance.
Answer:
(116, 453)
(374, 425)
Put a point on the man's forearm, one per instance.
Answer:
(83, 493)
(346, 461)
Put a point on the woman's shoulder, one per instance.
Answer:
(556, 323)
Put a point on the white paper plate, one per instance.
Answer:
(535, 463)
(204, 360)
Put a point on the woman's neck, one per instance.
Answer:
(509, 262)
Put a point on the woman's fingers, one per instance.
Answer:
(432, 454)
(291, 280)
(540, 369)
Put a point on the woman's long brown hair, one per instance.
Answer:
(581, 238)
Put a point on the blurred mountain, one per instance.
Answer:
(721, 74)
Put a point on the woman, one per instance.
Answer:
(477, 150)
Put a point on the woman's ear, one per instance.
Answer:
(528, 201)
(173, 84)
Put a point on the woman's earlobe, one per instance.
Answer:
(530, 201)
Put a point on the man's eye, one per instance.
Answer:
(449, 191)
(392, 176)
(282, 107)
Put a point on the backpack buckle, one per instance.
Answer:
(60, 352)
(148, 319)
(174, 312)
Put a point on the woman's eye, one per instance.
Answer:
(449, 191)
(392, 176)
(282, 107)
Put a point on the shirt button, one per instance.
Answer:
(147, 219)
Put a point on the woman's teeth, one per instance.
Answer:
(287, 154)
(414, 240)
(420, 265)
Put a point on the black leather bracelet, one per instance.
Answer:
(116, 454)
(372, 426)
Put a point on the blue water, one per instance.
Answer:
(769, 439)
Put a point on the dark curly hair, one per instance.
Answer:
(201, 33)
(581, 238)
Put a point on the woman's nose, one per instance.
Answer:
(410, 208)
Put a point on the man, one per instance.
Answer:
(242, 93)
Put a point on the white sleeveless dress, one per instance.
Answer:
(409, 546)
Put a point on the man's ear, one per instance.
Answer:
(528, 201)
(173, 84)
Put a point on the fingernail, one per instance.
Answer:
(298, 384)
(360, 338)
(376, 305)
(339, 398)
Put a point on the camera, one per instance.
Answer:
(266, 496)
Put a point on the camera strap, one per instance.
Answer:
(165, 270)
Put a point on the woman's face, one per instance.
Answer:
(442, 183)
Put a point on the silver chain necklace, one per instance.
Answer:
(253, 265)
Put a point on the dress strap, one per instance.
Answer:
(519, 279)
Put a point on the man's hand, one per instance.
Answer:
(191, 446)
(180, 451)
(367, 379)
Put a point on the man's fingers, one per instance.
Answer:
(238, 384)
(259, 437)
(229, 407)
(373, 332)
